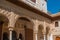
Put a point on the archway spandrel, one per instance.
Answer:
(5, 13)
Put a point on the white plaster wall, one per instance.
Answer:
(40, 4)
(55, 31)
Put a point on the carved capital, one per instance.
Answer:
(11, 28)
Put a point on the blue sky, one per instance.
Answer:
(53, 6)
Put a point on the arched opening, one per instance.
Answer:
(25, 27)
(3, 26)
(5, 36)
(14, 35)
(40, 33)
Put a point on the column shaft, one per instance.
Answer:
(51, 37)
(44, 37)
(35, 36)
(10, 35)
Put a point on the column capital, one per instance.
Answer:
(10, 28)
(35, 32)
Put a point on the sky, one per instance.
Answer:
(53, 6)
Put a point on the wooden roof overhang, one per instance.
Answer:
(30, 8)
(56, 18)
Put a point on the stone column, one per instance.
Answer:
(12, 20)
(35, 30)
(48, 36)
(10, 34)
(51, 37)
(35, 36)
(44, 31)
(11, 24)
(44, 36)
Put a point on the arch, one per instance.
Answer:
(25, 18)
(3, 24)
(25, 25)
(40, 32)
(5, 36)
